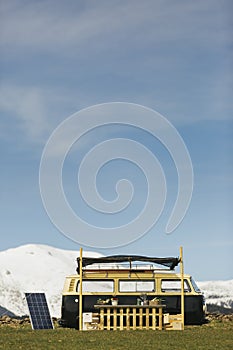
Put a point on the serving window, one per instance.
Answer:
(136, 286)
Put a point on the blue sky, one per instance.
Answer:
(172, 56)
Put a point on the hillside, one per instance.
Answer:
(35, 268)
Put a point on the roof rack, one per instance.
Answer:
(169, 262)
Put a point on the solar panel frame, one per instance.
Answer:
(38, 311)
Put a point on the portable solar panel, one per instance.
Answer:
(39, 312)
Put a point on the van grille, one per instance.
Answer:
(71, 286)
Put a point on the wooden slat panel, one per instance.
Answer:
(134, 319)
(130, 317)
(102, 319)
(108, 320)
(140, 318)
(127, 319)
(147, 319)
(160, 319)
(114, 319)
(153, 319)
(121, 319)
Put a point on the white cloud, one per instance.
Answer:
(35, 111)
(26, 107)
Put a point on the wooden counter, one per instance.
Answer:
(120, 317)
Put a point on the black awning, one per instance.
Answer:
(169, 262)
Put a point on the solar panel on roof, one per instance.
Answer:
(39, 312)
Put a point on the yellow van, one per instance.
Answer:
(107, 279)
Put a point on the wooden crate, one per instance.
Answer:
(175, 323)
(90, 321)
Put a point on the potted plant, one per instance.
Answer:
(156, 301)
(102, 301)
(114, 300)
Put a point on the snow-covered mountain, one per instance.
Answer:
(41, 268)
(35, 268)
(218, 293)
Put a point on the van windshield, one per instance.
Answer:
(196, 288)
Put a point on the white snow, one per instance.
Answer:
(218, 292)
(41, 268)
(35, 268)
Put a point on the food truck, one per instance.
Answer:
(128, 282)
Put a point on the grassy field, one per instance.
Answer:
(216, 335)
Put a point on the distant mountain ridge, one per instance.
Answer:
(219, 295)
(41, 268)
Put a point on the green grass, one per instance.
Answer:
(215, 335)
